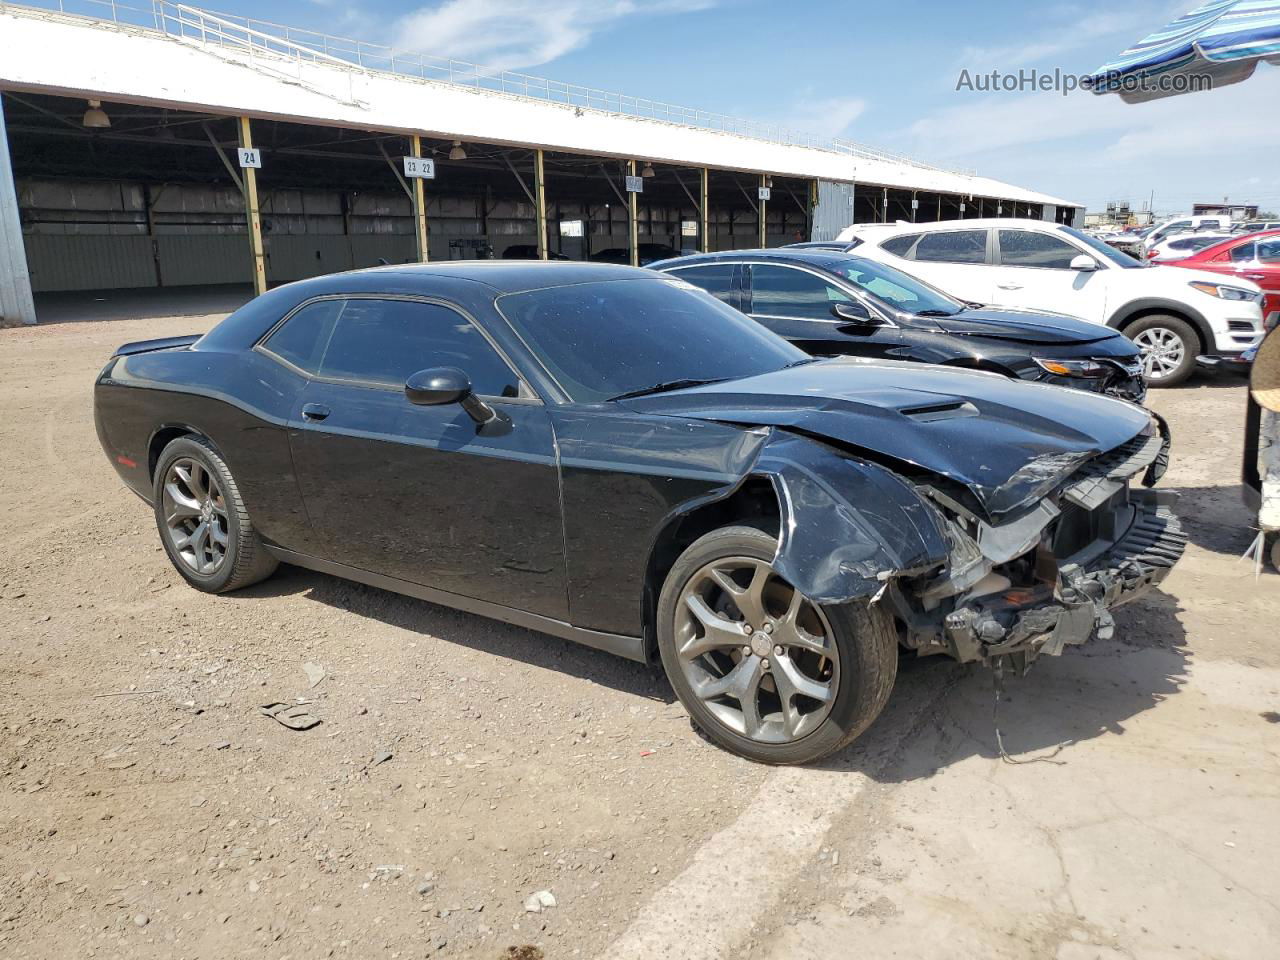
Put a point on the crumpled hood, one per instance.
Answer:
(1008, 441)
(1024, 326)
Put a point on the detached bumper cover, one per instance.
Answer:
(1022, 625)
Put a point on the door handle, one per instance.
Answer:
(1255, 276)
(1009, 286)
(314, 412)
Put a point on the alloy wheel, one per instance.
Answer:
(195, 515)
(760, 655)
(1162, 351)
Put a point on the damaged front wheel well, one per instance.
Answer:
(754, 504)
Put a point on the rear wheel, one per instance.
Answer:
(1168, 346)
(203, 523)
(762, 669)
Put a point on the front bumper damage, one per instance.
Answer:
(1049, 579)
(1021, 625)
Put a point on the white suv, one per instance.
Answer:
(1173, 314)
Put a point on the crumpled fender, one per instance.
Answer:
(848, 526)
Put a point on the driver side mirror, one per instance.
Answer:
(853, 312)
(1084, 263)
(440, 385)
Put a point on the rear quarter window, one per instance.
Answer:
(899, 246)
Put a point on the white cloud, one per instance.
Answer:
(1063, 44)
(825, 116)
(515, 34)
(1091, 148)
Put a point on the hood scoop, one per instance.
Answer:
(932, 412)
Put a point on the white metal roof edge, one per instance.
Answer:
(74, 56)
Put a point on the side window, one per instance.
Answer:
(899, 246)
(303, 337)
(786, 292)
(953, 246)
(1029, 248)
(383, 341)
(715, 278)
(1244, 253)
(1269, 250)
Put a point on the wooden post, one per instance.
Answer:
(633, 215)
(419, 205)
(764, 222)
(704, 228)
(813, 207)
(540, 192)
(252, 217)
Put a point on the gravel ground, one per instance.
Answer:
(464, 766)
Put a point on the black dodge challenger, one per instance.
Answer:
(616, 457)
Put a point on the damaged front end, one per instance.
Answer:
(1015, 589)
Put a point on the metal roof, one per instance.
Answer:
(174, 55)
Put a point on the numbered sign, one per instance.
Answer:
(250, 158)
(962, 207)
(635, 184)
(764, 193)
(420, 167)
(915, 204)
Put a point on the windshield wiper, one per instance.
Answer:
(936, 313)
(667, 385)
(801, 362)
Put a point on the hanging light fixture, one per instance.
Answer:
(457, 152)
(648, 170)
(95, 116)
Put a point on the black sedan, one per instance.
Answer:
(613, 456)
(832, 303)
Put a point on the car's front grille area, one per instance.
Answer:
(1248, 326)
(1099, 479)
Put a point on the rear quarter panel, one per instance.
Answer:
(240, 400)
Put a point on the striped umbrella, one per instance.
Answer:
(1217, 44)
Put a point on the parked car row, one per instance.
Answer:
(1174, 315)
(622, 458)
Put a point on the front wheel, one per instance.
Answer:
(1168, 347)
(763, 670)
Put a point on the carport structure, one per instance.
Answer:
(168, 149)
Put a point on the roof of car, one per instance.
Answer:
(502, 276)
(814, 256)
(974, 223)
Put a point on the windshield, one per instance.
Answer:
(1103, 249)
(894, 288)
(604, 339)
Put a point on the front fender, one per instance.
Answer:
(847, 525)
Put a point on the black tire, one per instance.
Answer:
(864, 635)
(1190, 341)
(246, 560)
(1275, 552)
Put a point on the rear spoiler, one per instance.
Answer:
(164, 343)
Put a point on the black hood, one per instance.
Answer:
(1024, 326)
(1008, 441)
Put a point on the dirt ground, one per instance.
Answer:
(463, 766)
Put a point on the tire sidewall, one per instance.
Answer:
(195, 450)
(1184, 331)
(848, 714)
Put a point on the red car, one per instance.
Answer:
(1254, 256)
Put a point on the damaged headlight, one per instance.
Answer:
(1084, 369)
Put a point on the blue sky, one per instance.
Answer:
(884, 74)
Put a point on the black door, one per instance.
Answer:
(419, 492)
(796, 304)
